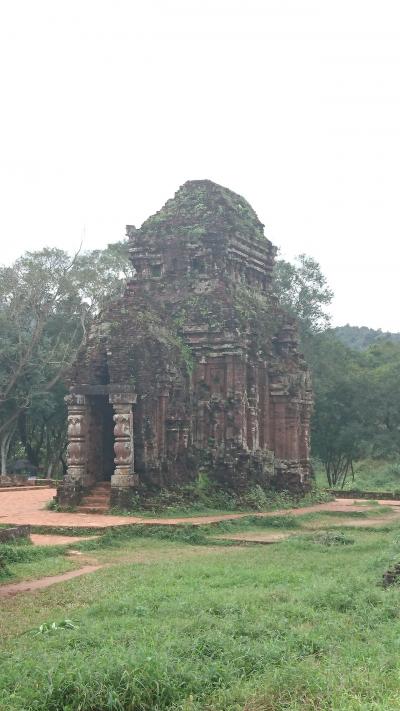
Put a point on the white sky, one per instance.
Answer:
(107, 107)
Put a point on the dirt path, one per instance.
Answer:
(32, 585)
(44, 539)
(265, 538)
(27, 507)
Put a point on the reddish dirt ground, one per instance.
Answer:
(45, 539)
(32, 585)
(27, 507)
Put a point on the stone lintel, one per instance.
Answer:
(75, 399)
(112, 389)
(122, 398)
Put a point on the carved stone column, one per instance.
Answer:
(77, 439)
(252, 418)
(70, 490)
(304, 443)
(124, 480)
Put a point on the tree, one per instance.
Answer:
(42, 321)
(102, 274)
(381, 398)
(47, 302)
(337, 418)
(303, 290)
(357, 404)
(42, 431)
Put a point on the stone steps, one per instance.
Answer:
(93, 509)
(97, 500)
(93, 500)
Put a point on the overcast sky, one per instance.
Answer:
(107, 107)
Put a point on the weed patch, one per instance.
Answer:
(329, 538)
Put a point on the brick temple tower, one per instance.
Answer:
(197, 366)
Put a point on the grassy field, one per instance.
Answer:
(169, 624)
(369, 475)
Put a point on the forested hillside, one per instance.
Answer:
(361, 337)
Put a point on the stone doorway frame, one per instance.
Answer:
(79, 480)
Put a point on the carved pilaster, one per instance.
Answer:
(252, 418)
(124, 476)
(77, 439)
(304, 440)
(292, 430)
(279, 402)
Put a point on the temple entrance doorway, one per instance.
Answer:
(100, 438)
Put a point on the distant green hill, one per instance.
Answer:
(360, 337)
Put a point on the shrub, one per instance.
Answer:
(332, 538)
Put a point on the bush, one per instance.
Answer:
(332, 538)
(25, 553)
(256, 498)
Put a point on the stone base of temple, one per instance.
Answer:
(239, 470)
(123, 498)
(233, 470)
(242, 470)
(70, 493)
(292, 475)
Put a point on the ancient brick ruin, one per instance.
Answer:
(197, 367)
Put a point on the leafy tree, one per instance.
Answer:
(42, 431)
(357, 404)
(102, 274)
(381, 398)
(42, 321)
(303, 290)
(336, 423)
(47, 302)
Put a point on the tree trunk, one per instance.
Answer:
(5, 442)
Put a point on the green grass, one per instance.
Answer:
(32, 570)
(300, 625)
(378, 475)
(177, 511)
(22, 561)
(305, 523)
(376, 511)
(369, 475)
